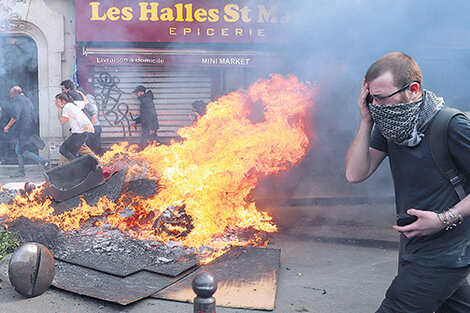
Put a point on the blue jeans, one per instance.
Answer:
(26, 154)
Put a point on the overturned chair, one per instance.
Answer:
(74, 177)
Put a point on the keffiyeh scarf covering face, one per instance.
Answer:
(404, 123)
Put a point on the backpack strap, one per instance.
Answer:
(440, 149)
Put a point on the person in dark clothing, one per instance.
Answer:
(27, 123)
(148, 116)
(23, 116)
(435, 262)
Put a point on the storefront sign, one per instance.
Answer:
(189, 21)
(180, 60)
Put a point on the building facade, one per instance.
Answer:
(183, 51)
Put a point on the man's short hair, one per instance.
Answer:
(404, 69)
(68, 84)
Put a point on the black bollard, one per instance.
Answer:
(204, 285)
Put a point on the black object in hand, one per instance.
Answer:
(405, 219)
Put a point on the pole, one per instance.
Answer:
(204, 285)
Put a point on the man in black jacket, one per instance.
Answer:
(148, 116)
(23, 115)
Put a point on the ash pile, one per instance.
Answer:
(113, 242)
(112, 252)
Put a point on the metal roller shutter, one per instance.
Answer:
(174, 88)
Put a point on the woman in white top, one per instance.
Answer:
(79, 123)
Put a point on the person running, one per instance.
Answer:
(80, 125)
(23, 115)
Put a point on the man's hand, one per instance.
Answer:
(428, 223)
(5, 129)
(362, 103)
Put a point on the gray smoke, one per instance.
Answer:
(333, 43)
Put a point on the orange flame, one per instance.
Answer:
(244, 136)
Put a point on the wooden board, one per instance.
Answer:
(247, 278)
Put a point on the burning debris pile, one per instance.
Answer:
(202, 200)
(174, 221)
